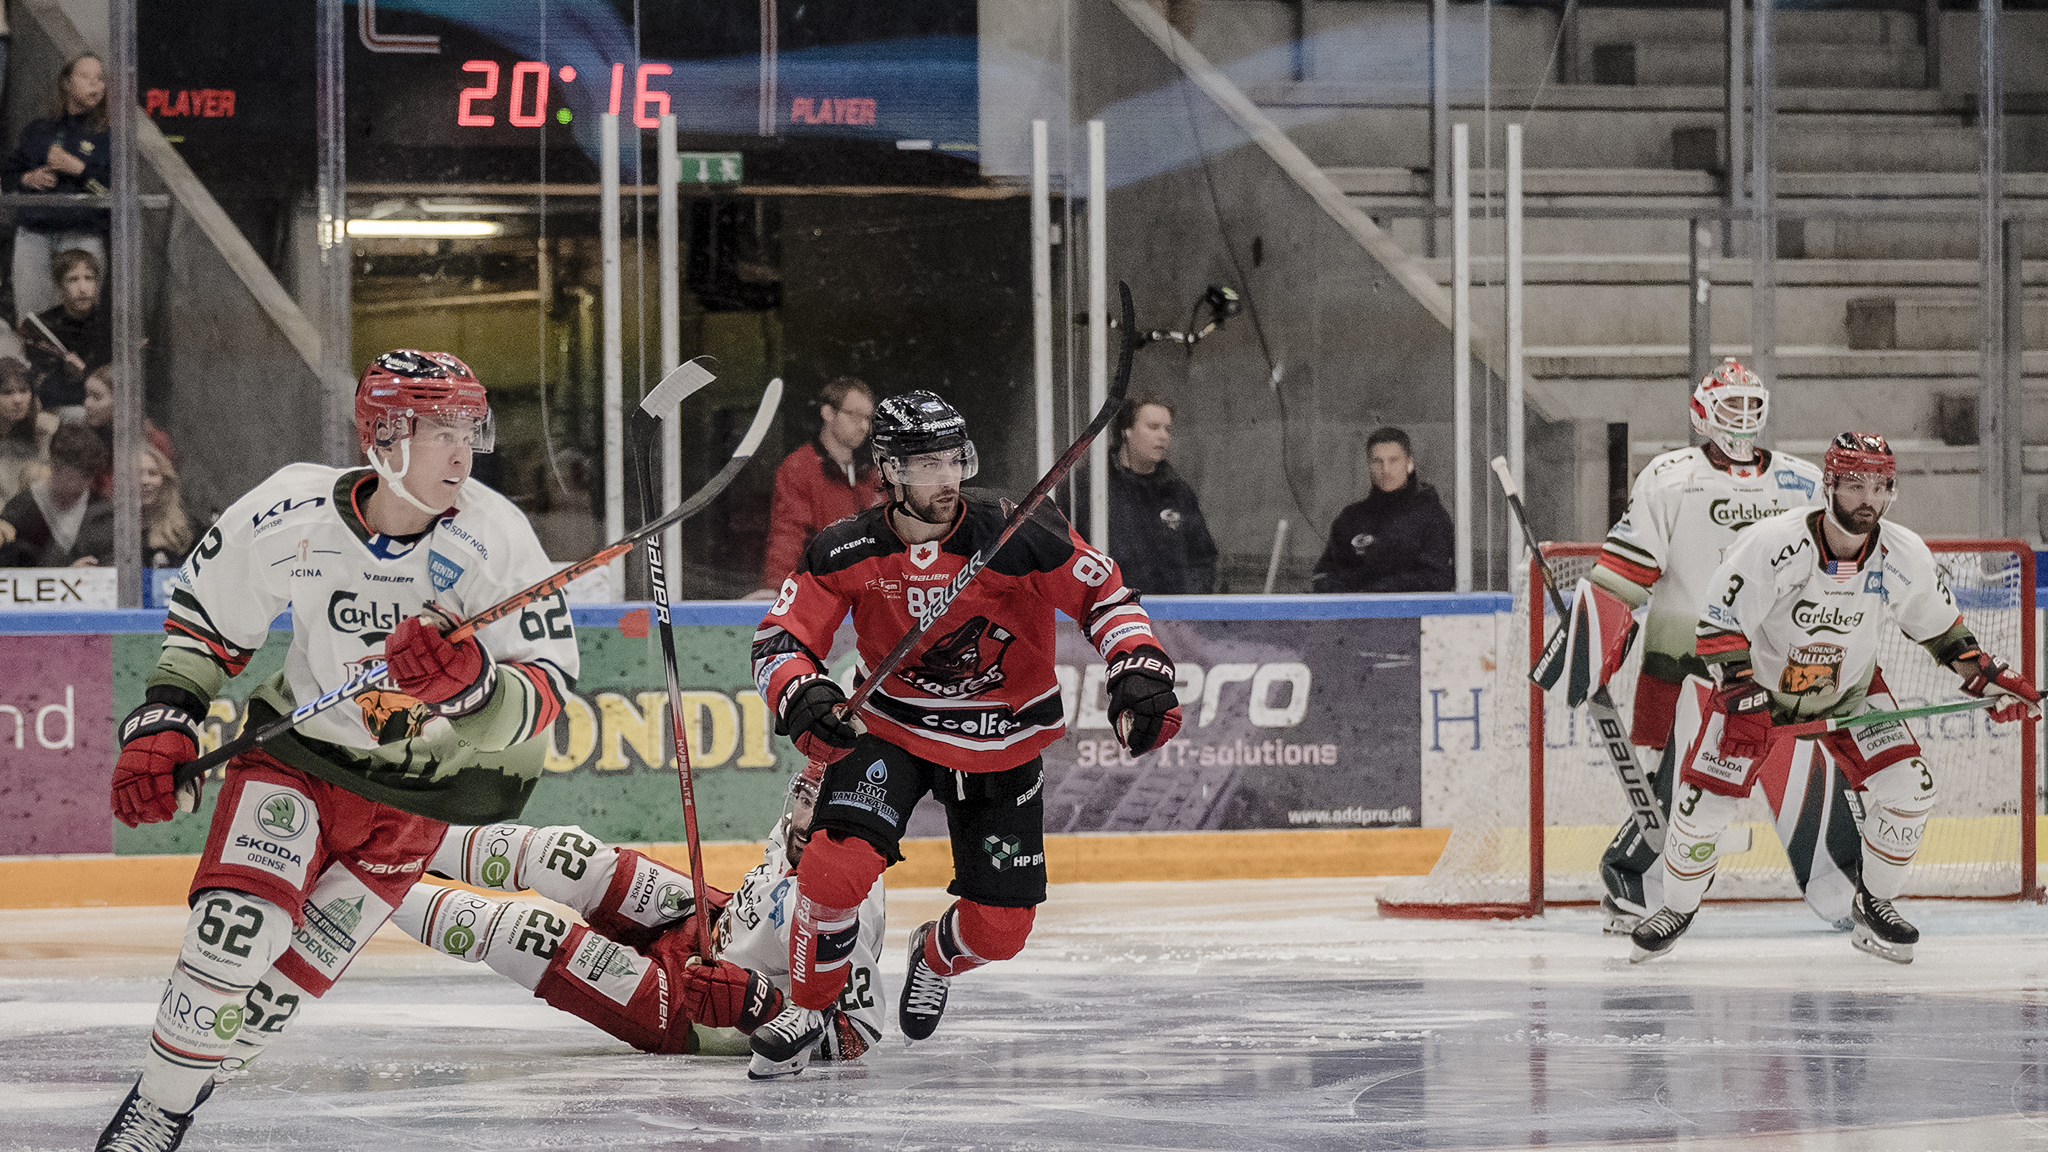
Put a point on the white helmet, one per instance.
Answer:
(1729, 407)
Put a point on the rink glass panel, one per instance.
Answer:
(1976, 842)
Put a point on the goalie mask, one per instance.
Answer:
(921, 440)
(1729, 408)
(1863, 462)
(406, 393)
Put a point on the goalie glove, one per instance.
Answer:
(1986, 675)
(1744, 708)
(1142, 706)
(155, 739)
(1590, 646)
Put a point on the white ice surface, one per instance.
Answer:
(1214, 1015)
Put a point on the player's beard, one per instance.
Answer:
(938, 508)
(1861, 523)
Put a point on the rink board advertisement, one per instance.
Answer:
(1290, 724)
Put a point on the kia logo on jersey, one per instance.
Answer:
(923, 555)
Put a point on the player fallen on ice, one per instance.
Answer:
(317, 835)
(965, 721)
(1685, 509)
(635, 971)
(1791, 626)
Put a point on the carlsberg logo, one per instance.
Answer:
(1818, 618)
(1729, 514)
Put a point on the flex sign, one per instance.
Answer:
(66, 589)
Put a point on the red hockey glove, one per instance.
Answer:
(725, 995)
(455, 679)
(1986, 675)
(812, 720)
(1142, 707)
(155, 739)
(1745, 708)
(1595, 639)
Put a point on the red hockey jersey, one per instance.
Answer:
(982, 696)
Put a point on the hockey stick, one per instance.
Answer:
(950, 594)
(647, 421)
(1809, 728)
(1606, 718)
(374, 673)
(52, 336)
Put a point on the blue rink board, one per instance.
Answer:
(746, 613)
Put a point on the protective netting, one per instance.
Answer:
(1973, 842)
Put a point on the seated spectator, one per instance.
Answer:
(99, 416)
(1156, 530)
(69, 152)
(24, 431)
(59, 523)
(69, 342)
(822, 482)
(166, 528)
(1397, 539)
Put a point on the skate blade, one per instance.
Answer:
(1896, 953)
(1638, 954)
(762, 1068)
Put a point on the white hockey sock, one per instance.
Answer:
(514, 937)
(563, 863)
(1691, 844)
(274, 1002)
(231, 939)
(1901, 797)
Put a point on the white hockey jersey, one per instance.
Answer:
(298, 541)
(754, 933)
(1683, 513)
(1810, 626)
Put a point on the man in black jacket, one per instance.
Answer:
(1397, 539)
(1156, 529)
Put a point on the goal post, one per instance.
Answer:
(1520, 840)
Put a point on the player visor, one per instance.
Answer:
(932, 469)
(430, 430)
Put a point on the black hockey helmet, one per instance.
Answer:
(921, 439)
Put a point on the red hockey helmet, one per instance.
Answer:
(1860, 454)
(403, 385)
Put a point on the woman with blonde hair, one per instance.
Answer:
(24, 430)
(166, 529)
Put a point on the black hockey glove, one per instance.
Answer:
(811, 719)
(1142, 707)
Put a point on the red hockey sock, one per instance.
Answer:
(831, 882)
(970, 935)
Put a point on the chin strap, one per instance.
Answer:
(397, 479)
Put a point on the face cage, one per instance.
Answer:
(393, 427)
(932, 469)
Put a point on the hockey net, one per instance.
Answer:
(1528, 829)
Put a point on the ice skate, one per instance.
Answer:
(783, 1046)
(140, 1126)
(924, 990)
(1621, 919)
(1880, 930)
(1656, 935)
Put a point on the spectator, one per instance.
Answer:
(69, 342)
(1156, 530)
(24, 431)
(66, 153)
(1397, 539)
(166, 528)
(58, 522)
(99, 416)
(824, 481)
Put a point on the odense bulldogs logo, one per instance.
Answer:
(1812, 669)
(965, 662)
(389, 714)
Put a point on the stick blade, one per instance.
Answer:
(771, 399)
(683, 381)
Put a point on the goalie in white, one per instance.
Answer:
(1687, 506)
(1791, 628)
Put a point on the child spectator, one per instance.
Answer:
(58, 522)
(69, 342)
(68, 152)
(99, 416)
(25, 431)
(166, 529)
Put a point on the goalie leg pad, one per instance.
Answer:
(1901, 798)
(231, 939)
(1691, 845)
(1596, 639)
(616, 988)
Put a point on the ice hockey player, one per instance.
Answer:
(966, 721)
(317, 835)
(635, 971)
(1684, 511)
(1790, 626)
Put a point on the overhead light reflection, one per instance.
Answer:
(425, 229)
